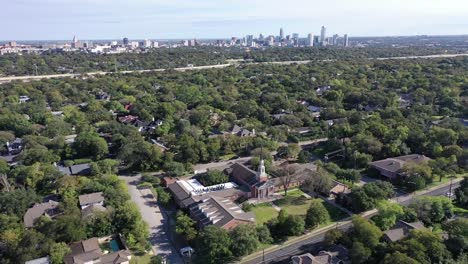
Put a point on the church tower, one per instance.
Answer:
(261, 174)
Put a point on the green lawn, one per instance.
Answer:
(460, 211)
(264, 212)
(296, 204)
(143, 259)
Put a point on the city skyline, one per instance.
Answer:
(208, 19)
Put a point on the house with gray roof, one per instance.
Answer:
(401, 229)
(44, 260)
(91, 199)
(78, 169)
(49, 209)
(392, 167)
(89, 252)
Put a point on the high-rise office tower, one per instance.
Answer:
(125, 41)
(261, 37)
(323, 35)
(281, 34)
(249, 40)
(335, 39)
(310, 40)
(346, 41)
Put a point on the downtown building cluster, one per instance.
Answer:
(293, 40)
(126, 45)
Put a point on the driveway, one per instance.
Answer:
(153, 216)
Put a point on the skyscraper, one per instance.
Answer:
(125, 41)
(281, 34)
(310, 40)
(346, 41)
(323, 35)
(335, 39)
(249, 40)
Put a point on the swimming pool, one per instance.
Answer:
(114, 245)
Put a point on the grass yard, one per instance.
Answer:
(296, 204)
(143, 259)
(459, 211)
(264, 212)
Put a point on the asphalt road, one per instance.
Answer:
(230, 63)
(313, 243)
(154, 217)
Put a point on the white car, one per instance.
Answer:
(449, 195)
(187, 251)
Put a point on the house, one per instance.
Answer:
(49, 209)
(91, 199)
(464, 121)
(338, 189)
(405, 100)
(44, 260)
(24, 99)
(323, 89)
(15, 146)
(11, 160)
(103, 96)
(400, 230)
(146, 126)
(127, 119)
(188, 192)
(332, 122)
(391, 167)
(90, 251)
(221, 212)
(159, 145)
(314, 110)
(78, 169)
(70, 139)
(302, 130)
(336, 254)
(90, 210)
(242, 132)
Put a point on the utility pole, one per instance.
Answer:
(450, 189)
(35, 67)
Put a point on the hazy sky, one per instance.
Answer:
(159, 19)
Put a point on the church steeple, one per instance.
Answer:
(261, 174)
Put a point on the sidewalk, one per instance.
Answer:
(422, 192)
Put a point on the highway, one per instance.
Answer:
(312, 242)
(230, 63)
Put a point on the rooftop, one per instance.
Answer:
(43, 209)
(91, 198)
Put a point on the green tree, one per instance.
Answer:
(461, 193)
(185, 226)
(264, 235)
(57, 252)
(213, 177)
(318, 181)
(89, 144)
(457, 231)
(333, 236)
(244, 240)
(398, 257)
(316, 214)
(365, 232)
(359, 253)
(388, 214)
(432, 210)
(213, 245)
